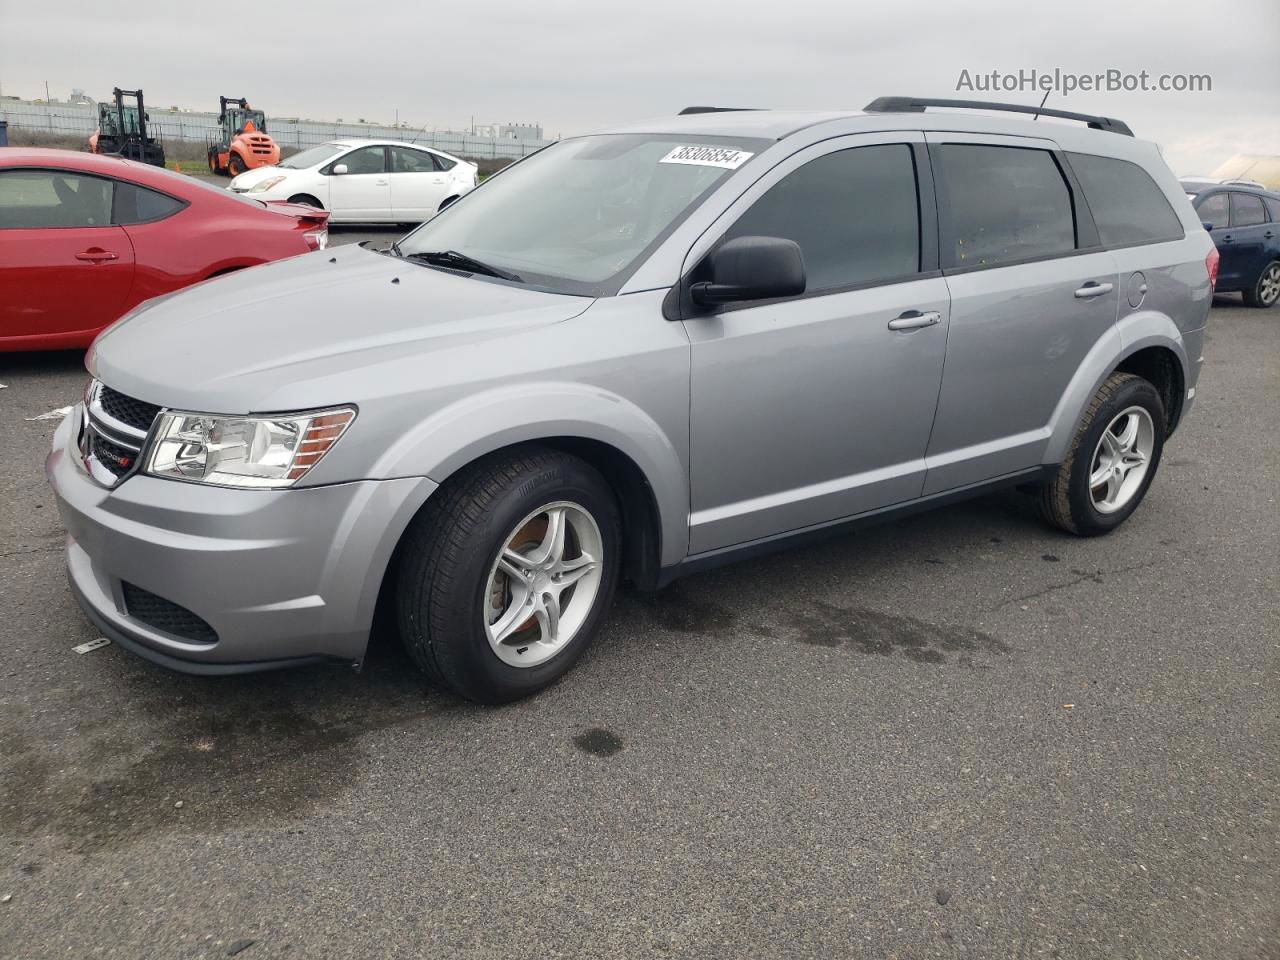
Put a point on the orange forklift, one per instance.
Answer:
(241, 142)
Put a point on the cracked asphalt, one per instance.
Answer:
(962, 734)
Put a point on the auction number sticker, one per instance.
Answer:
(708, 156)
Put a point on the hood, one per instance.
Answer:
(310, 331)
(257, 175)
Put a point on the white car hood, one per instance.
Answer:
(251, 177)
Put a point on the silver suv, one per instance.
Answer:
(633, 355)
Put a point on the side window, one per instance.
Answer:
(854, 214)
(443, 163)
(365, 160)
(1246, 210)
(1006, 204)
(1213, 210)
(1127, 206)
(405, 160)
(1273, 210)
(53, 198)
(135, 204)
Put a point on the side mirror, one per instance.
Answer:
(1206, 224)
(752, 268)
(339, 168)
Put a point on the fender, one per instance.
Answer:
(517, 413)
(1137, 331)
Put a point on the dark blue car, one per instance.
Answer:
(1245, 225)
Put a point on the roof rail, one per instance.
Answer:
(918, 104)
(690, 110)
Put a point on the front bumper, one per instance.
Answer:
(281, 577)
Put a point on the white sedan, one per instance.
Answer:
(364, 181)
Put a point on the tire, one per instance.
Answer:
(1068, 501)
(307, 199)
(235, 166)
(454, 598)
(1265, 292)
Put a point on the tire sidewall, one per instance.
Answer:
(461, 613)
(1257, 287)
(1134, 393)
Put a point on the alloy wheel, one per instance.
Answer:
(1121, 459)
(543, 583)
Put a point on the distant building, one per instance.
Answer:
(78, 96)
(1246, 166)
(520, 131)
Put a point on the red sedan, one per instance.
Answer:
(85, 238)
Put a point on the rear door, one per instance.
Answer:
(1032, 291)
(363, 192)
(65, 270)
(1246, 239)
(417, 184)
(812, 409)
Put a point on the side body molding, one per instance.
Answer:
(1137, 331)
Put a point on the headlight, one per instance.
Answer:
(263, 452)
(262, 186)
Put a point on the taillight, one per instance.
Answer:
(1211, 264)
(317, 239)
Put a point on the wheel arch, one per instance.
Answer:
(1148, 344)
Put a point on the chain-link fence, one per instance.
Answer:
(81, 119)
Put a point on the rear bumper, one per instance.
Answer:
(281, 577)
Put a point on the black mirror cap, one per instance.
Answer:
(1207, 225)
(752, 268)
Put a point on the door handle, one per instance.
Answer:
(914, 320)
(380, 183)
(1268, 235)
(1226, 238)
(1094, 289)
(96, 256)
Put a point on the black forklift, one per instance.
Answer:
(122, 130)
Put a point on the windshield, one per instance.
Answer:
(312, 157)
(578, 216)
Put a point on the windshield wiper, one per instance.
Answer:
(460, 261)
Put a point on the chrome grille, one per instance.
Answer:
(113, 431)
(134, 413)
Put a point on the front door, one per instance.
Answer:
(811, 409)
(1032, 292)
(65, 270)
(363, 192)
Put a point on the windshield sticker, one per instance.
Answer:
(708, 157)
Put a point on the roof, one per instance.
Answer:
(380, 141)
(779, 124)
(105, 164)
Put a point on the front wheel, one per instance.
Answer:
(235, 165)
(1266, 292)
(505, 579)
(1112, 459)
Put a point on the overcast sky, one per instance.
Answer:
(575, 66)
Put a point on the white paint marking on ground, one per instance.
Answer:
(57, 413)
(91, 645)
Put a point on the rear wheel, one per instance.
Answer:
(307, 199)
(1112, 459)
(1266, 292)
(235, 166)
(445, 202)
(505, 579)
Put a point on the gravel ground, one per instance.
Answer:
(958, 735)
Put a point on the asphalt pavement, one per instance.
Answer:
(959, 735)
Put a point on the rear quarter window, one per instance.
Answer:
(1127, 206)
(135, 204)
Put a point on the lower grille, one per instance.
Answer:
(167, 616)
